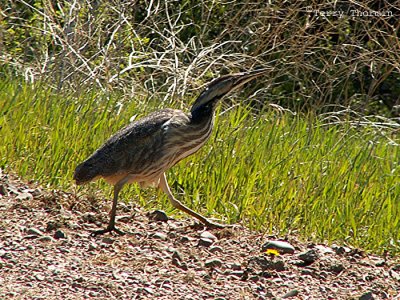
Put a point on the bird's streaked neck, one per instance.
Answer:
(206, 111)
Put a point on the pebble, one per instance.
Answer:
(92, 246)
(24, 196)
(238, 273)
(160, 236)
(3, 190)
(340, 250)
(208, 235)
(59, 234)
(35, 192)
(380, 263)
(184, 239)
(213, 263)
(292, 293)
(309, 256)
(236, 266)
(39, 277)
(396, 267)
(34, 231)
(158, 215)
(107, 240)
(307, 272)
(12, 189)
(395, 275)
(267, 264)
(336, 268)
(177, 255)
(45, 238)
(215, 249)
(177, 263)
(205, 242)
(367, 296)
(281, 246)
(324, 249)
(51, 226)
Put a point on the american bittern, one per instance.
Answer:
(145, 149)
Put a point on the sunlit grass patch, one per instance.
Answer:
(271, 171)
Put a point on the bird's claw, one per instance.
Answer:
(108, 229)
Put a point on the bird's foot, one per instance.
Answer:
(108, 229)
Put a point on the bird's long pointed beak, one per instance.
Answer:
(245, 77)
(222, 86)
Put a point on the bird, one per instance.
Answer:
(145, 149)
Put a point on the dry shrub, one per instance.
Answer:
(321, 54)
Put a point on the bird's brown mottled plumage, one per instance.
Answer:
(143, 150)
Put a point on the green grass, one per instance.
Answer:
(274, 172)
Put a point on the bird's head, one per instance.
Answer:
(222, 86)
(84, 172)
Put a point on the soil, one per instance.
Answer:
(46, 252)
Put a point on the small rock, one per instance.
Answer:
(238, 273)
(158, 215)
(34, 231)
(394, 275)
(39, 277)
(177, 255)
(307, 272)
(208, 235)
(92, 246)
(184, 239)
(396, 268)
(380, 263)
(280, 246)
(45, 238)
(292, 293)
(33, 192)
(108, 240)
(236, 266)
(3, 190)
(213, 263)
(205, 242)
(367, 296)
(148, 290)
(64, 250)
(267, 264)
(340, 250)
(177, 263)
(160, 236)
(324, 249)
(12, 189)
(51, 226)
(2, 253)
(24, 196)
(309, 256)
(59, 234)
(215, 249)
(336, 268)
(12, 294)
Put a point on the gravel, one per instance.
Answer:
(46, 252)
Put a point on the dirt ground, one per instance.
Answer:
(46, 252)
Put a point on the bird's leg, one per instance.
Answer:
(163, 185)
(111, 224)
